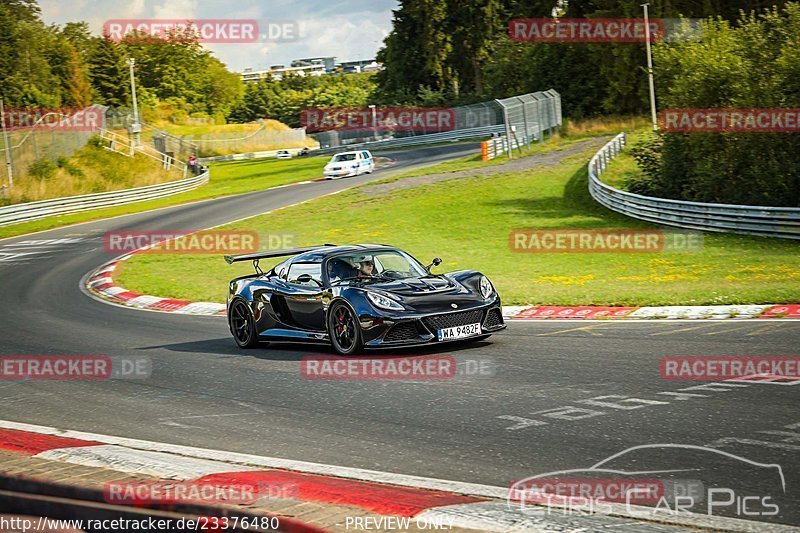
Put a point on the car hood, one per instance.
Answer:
(411, 287)
(430, 294)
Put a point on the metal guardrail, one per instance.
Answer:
(248, 155)
(430, 138)
(783, 222)
(16, 213)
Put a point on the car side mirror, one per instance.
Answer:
(306, 278)
(436, 262)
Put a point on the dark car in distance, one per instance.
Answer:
(358, 297)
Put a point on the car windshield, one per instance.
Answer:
(384, 264)
(343, 157)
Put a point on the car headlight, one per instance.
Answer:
(383, 302)
(486, 287)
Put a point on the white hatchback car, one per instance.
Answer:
(283, 154)
(350, 164)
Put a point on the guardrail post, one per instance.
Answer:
(508, 126)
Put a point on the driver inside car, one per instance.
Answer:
(366, 268)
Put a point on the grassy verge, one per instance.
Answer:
(467, 220)
(226, 179)
(624, 168)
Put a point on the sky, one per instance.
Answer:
(351, 30)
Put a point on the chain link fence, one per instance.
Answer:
(528, 118)
(51, 137)
(210, 144)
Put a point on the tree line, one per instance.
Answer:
(753, 63)
(743, 54)
(450, 51)
(50, 66)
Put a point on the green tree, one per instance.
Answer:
(474, 26)
(108, 73)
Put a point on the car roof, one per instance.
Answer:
(350, 152)
(318, 255)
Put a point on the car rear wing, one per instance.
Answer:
(230, 259)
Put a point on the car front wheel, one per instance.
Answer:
(344, 330)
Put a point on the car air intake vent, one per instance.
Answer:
(404, 331)
(453, 319)
(493, 319)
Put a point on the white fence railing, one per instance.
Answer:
(16, 213)
(783, 222)
(497, 146)
(126, 146)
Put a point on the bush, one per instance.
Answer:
(755, 64)
(42, 169)
(69, 167)
(96, 141)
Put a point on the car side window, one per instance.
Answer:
(312, 269)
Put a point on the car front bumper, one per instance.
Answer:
(417, 330)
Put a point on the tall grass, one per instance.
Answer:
(603, 125)
(91, 169)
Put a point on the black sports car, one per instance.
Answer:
(359, 296)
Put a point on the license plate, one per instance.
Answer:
(459, 332)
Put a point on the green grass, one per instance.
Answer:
(234, 177)
(471, 162)
(624, 168)
(467, 222)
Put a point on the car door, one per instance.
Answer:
(363, 163)
(370, 161)
(303, 299)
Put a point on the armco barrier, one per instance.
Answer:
(13, 214)
(430, 138)
(783, 222)
(248, 155)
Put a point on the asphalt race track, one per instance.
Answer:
(539, 411)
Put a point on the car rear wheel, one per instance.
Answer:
(242, 324)
(344, 330)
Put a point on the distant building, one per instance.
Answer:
(278, 71)
(363, 65)
(312, 66)
(328, 62)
